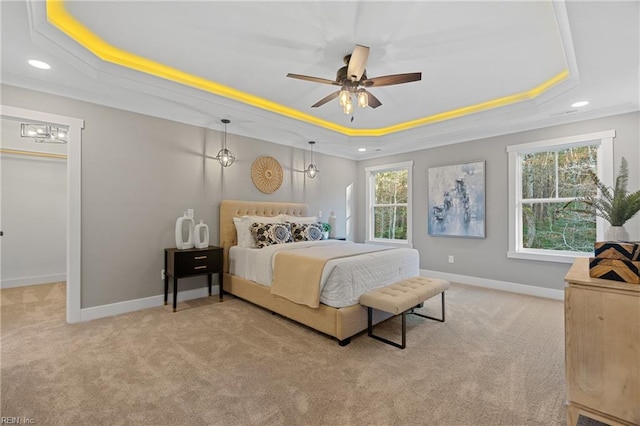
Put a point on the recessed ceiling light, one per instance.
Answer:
(362, 149)
(39, 64)
(579, 104)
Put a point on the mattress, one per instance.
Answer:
(343, 280)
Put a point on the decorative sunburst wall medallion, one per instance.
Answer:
(266, 174)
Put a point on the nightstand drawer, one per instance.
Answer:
(185, 263)
(196, 263)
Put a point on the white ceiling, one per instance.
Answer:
(469, 53)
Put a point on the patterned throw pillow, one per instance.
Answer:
(271, 233)
(243, 227)
(306, 232)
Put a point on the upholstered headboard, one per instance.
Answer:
(233, 208)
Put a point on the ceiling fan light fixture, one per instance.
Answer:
(225, 157)
(344, 95)
(363, 99)
(352, 80)
(348, 107)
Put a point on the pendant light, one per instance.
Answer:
(312, 169)
(225, 157)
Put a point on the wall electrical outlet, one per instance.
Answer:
(162, 274)
(450, 259)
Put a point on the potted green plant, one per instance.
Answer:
(325, 230)
(615, 205)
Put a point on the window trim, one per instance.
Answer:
(370, 196)
(604, 141)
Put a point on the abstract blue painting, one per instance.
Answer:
(456, 200)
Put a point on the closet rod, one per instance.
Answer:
(32, 153)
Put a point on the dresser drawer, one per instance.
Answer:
(194, 262)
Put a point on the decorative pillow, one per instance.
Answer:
(243, 228)
(306, 231)
(299, 219)
(271, 233)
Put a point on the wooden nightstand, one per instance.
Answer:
(190, 263)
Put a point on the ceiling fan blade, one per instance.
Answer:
(326, 99)
(357, 62)
(389, 80)
(313, 79)
(373, 101)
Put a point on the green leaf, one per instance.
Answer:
(615, 206)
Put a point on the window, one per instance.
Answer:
(546, 176)
(389, 203)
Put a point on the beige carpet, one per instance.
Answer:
(498, 360)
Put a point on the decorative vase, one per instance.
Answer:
(325, 235)
(616, 233)
(183, 220)
(332, 224)
(201, 232)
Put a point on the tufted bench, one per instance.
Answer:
(401, 298)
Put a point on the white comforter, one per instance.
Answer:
(343, 280)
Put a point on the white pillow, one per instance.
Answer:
(300, 219)
(243, 227)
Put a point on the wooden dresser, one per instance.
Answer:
(602, 348)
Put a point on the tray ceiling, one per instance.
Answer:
(487, 68)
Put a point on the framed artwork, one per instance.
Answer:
(456, 200)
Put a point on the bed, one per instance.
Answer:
(342, 321)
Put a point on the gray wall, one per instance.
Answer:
(34, 211)
(486, 258)
(139, 173)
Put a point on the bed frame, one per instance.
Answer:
(340, 323)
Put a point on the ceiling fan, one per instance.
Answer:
(352, 78)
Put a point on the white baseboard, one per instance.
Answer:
(26, 281)
(102, 311)
(95, 312)
(530, 290)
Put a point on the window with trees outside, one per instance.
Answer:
(389, 203)
(545, 178)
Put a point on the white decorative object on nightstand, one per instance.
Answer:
(180, 223)
(201, 232)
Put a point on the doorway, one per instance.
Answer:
(73, 198)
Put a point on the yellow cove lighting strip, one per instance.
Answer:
(60, 18)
